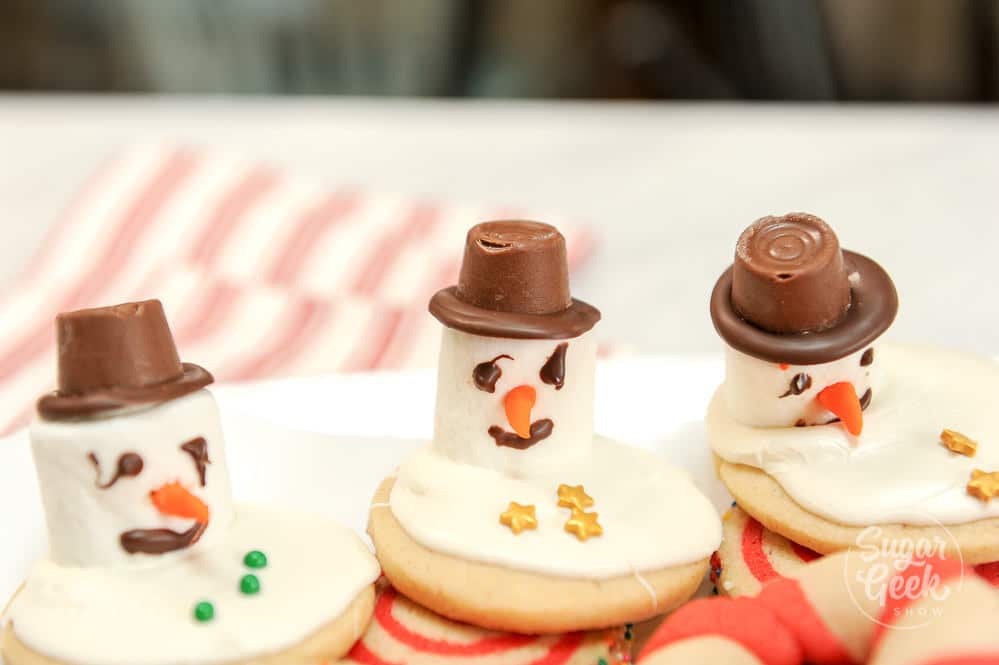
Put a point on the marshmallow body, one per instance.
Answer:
(466, 411)
(96, 478)
(765, 394)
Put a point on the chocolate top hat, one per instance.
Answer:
(514, 283)
(792, 296)
(115, 357)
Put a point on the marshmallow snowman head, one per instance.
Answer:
(128, 451)
(517, 361)
(801, 319)
(515, 405)
(767, 394)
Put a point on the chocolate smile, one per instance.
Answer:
(540, 430)
(160, 541)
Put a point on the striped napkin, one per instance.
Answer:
(261, 274)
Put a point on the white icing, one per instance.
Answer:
(85, 522)
(93, 603)
(465, 413)
(897, 470)
(652, 514)
(449, 495)
(113, 615)
(651, 591)
(753, 387)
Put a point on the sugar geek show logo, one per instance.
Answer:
(900, 578)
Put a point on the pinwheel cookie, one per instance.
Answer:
(404, 632)
(842, 610)
(751, 555)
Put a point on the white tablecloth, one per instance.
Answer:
(669, 186)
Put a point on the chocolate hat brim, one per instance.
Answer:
(458, 314)
(873, 306)
(56, 406)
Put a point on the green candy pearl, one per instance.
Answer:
(601, 661)
(249, 585)
(255, 559)
(204, 612)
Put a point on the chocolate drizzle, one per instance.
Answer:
(865, 400)
(540, 430)
(799, 384)
(485, 375)
(553, 373)
(129, 466)
(867, 358)
(160, 541)
(198, 450)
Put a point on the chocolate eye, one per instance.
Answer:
(799, 384)
(129, 466)
(198, 450)
(485, 375)
(553, 373)
(867, 358)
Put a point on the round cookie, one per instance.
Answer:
(519, 601)
(762, 497)
(404, 632)
(326, 644)
(515, 516)
(828, 614)
(751, 555)
(829, 437)
(150, 560)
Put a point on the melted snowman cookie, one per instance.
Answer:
(515, 516)
(150, 563)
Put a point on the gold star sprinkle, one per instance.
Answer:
(583, 525)
(958, 443)
(519, 518)
(983, 486)
(574, 497)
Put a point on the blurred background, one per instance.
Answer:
(880, 50)
(294, 178)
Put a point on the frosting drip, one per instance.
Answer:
(115, 615)
(897, 471)
(643, 503)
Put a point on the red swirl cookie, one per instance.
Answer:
(403, 632)
(930, 611)
(752, 555)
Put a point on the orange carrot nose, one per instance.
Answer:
(841, 398)
(518, 403)
(175, 501)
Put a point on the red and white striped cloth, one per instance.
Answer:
(261, 275)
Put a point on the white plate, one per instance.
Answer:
(323, 444)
